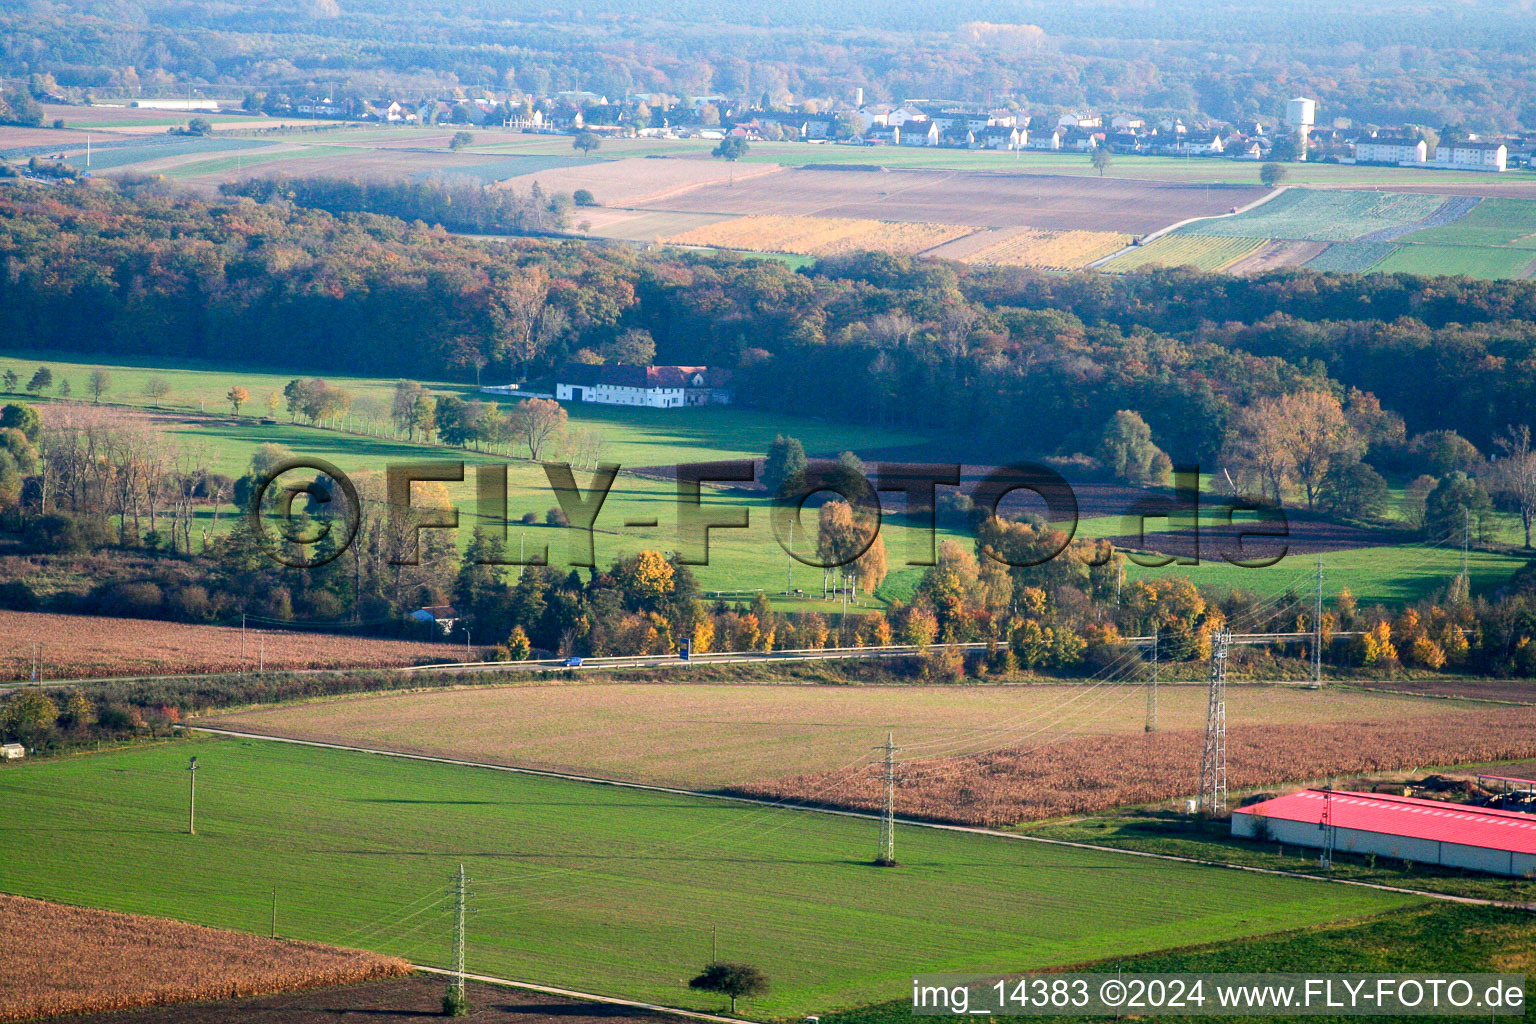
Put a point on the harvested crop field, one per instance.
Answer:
(1275, 254)
(1511, 691)
(1032, 247)
(1202, 251)
(821, 236)
(639, 180)
(702, 736)
(391, 1001)
(62, 959)
(639, 226)
(1056, 202)
(1088, 774)
(87, 646)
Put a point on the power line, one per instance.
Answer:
(192, 797)
(1213, 760)
(887, 855)
(456, 1003)
(1317, 627)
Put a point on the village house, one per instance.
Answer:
(326, 107)
(1473, 156)
(882, 135)
(1050, 140)
(1391, 149)
(1200, 144)
(1078, 119)
(524, 119)
(654, 387)
(1082, 141)
(904, 114)
(920, 133)
(999, 137)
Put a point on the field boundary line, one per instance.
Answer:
(589, 996)
(1160, 232)
(866, 815)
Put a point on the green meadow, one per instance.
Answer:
(601, 888)
(197, 416)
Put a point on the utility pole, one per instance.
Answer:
(1466, 535)
(261, 665)
(1152, 690)
(789, 574)
(37, 659)
(192, 797)
(456, 1003)
(1326, 860)
(1317, 627)
(714, 944)
(274, 911)
(1213, 761)
(242, 639)
(887, 856)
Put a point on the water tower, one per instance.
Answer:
(1300, 115)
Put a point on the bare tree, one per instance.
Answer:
(517, 308)
(538, 422)
(1515, 474)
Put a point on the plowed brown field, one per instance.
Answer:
(953, 197)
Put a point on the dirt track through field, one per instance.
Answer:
(1276, 254)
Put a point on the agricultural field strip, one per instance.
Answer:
(821, 236)
(1212, 253)
(362, 813)
(701, 735)
(985, 200)
(95, 647)
(1324, 215)
(1449, 212)
(117, 962)
(1051, 250)
(1351, 257)
(867, 815)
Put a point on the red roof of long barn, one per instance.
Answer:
(1407, 816)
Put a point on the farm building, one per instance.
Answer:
(1428, 831)
(656, 387)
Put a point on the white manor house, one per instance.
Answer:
(655, 387)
